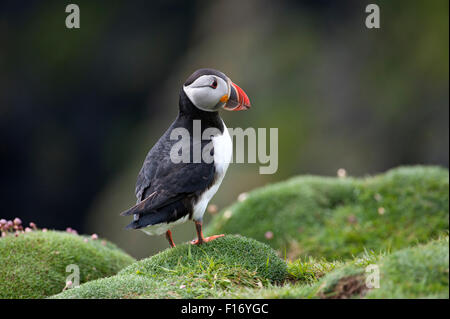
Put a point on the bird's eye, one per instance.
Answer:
(214, 84)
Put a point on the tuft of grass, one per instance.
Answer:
(33, 265)
(214, 269)
(310, 270)
(338, 218)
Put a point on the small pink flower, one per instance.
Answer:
(212, 209)
(268, 235)
(352, 219)
(94, 236)
(182, 286)
(85, 240)
(342, 173)
(17, 221)
(70, 230)
(28, 230)
(242, 197)
(69, 284)
(3, 222)
(33, 225)
(227, 214)
(44, 230)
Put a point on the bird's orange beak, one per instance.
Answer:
(237, 100)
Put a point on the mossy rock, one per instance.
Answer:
(33, 265)
(338, 218)
(213, 269)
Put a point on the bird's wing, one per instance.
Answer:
(170, 182)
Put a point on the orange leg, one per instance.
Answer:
(201, 239)
(169, 238)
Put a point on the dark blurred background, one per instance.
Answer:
(80, 108)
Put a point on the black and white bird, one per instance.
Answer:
(170, 191)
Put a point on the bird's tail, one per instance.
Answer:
(139, 208)
(165, 214)
(148, 219)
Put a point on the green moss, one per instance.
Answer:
(340, 218)
(33, 265)
(214, 269)
(116, 287)
(416, 272)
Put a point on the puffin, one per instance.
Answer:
(171, 191)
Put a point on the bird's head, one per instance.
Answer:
(209, 90)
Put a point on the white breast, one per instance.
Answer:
(223, 150)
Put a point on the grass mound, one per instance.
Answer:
(339, 227)
(231, 251)
(214, 269)
(33, 265)
(338, 218)
(416, 272)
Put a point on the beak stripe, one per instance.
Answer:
(243, 100)
(237, 100)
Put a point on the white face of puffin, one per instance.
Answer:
(208, 92)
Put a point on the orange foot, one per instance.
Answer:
(205, 240)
